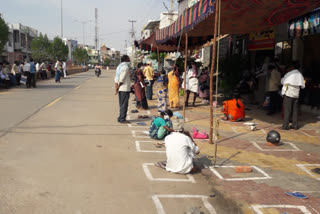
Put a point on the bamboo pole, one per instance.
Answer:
(212, 70)
(216, 122)
(185, 78)
(158, 59)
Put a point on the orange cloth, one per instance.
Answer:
(231, 110)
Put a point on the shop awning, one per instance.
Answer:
(237, 17)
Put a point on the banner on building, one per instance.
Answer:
(263, 40)
(305, 25)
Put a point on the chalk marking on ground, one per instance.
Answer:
(76, 88)
(234, 129)
(148, 112)
(303, 167)
(257, 208)
(129, 125)
(306, 134)
(53, 102)
(147, 172)
(294, 148)
(160, 209)
(266, 176)
(135, 136)
(264, 131)
(138, 147)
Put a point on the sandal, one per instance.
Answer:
(297, 195)
(134, 111)
(161, 164)
(316, 170)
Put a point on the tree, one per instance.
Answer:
(154, 56)
(107, 61)
(4, 32)
(40, 48)
(80, 55)
(58, 49)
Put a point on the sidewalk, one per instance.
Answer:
(276, 170)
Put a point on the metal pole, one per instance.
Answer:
(185, 78)
(158, 59)
(83, 32)
(61, 20)
(212, 71)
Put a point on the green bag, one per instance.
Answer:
(181, 92)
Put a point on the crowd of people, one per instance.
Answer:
(28, 72)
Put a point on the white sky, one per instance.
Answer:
(44, 15)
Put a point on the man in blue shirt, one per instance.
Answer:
(32, 74)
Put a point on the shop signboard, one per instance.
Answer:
(263, 40)
(308, 24)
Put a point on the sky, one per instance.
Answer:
(113, 18)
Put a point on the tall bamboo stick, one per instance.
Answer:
(212, 70)
(158, 54)
(185, 78)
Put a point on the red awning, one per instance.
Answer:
(237, 17)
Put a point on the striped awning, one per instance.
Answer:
(237, 17)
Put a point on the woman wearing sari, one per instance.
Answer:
(174, 86)
(139, 89)
(162, 93)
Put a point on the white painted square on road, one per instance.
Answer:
(264, 174)
(140, 134)
(138, 147)
(303, 167)
(293, 148)
(204, 199)
(258, 208)
(146, 170)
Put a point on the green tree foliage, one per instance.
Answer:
(107, 61)
(154, 56)
(4, 31)
(58, 49)
(41, 48)
(80, 55)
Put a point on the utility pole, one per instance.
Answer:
(61, 20)
(96, 27)
(126, 47)
(96, 31)
(171, 12)
(132, 33)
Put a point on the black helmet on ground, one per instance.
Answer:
(273, 137)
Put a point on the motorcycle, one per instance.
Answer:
(98, 72)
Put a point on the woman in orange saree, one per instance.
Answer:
(174, 86)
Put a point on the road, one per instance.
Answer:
(62, 151)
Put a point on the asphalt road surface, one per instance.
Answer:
(62, 151)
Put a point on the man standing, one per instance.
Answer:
(273, 88)
(32, 73)
(292, 82)
(123, 87)
(26, 71)
(148, 72)
(64, 68)
(16, 71)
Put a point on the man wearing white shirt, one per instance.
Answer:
(123, 88)
(292, 82)
(180, 152)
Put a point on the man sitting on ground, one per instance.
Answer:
(180, 151)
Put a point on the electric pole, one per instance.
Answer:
(61, 20)
(132, 33)
(96, 28)
(171, 12)
(126, 47)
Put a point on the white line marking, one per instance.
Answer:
(294, 148)
(135, 136)
(257, 208)
(266, 176)
(307, 134)
(264, 131)
(151, 178)
(234, 129)
(160, 209)
(138, 147)
(303, 167)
